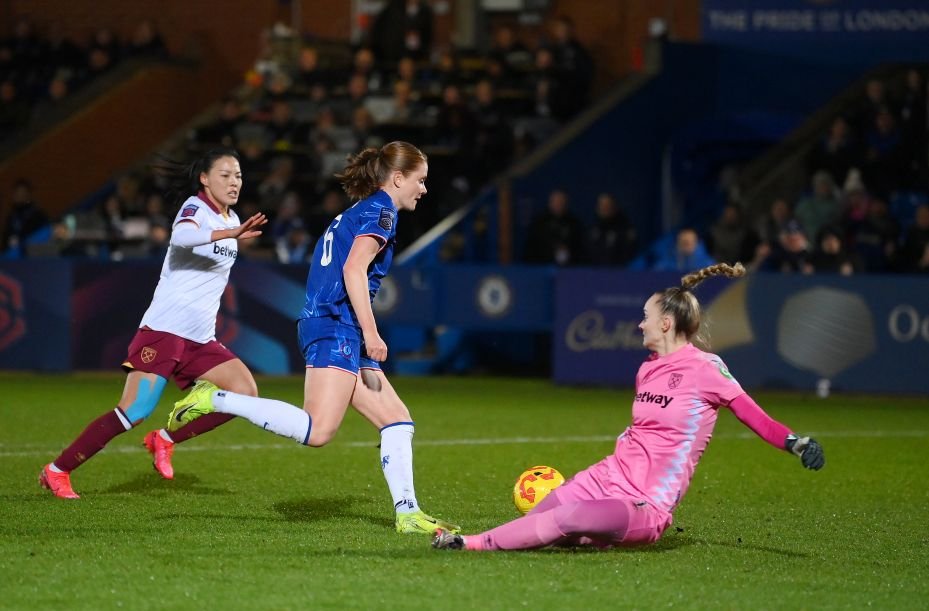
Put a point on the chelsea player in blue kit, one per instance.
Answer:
(338, 334)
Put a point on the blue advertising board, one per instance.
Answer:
(863, 333)
(34, 315)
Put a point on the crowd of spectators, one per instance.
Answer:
(306, 105)
(40, 69)
(866, 209)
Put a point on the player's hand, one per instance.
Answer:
(248, 229)
(808, 449)
(375, 347)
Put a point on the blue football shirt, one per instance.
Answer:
(373, 216)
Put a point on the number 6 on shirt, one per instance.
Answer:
(326, 259)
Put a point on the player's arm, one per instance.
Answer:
(355, 274)
(187, 233)
(777, 434)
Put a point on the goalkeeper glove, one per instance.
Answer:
(809, 451)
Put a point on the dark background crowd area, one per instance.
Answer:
(41, 67)
(307, 104)
(866, 209)
(302, 109)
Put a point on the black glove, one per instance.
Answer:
(809, 451)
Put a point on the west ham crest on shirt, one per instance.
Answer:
(189, 210)
(675, 380)
(386, 220)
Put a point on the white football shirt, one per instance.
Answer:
(192, 281)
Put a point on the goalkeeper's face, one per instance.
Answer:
(654, 324)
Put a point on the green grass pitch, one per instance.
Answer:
(253, 521)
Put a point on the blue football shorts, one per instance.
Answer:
(327, 342)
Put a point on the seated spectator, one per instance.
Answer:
(731, 239)
(789, 254)
(867, 108)
(401, 109)
(821, 207)
(402, 27)
(513, 57)
(555, 236)
(875, 238)
(855, 201)
(332, 204)
(308, 72)
(914, 254)
(494, 139)
(354, 95)
(363, 130)
(289, 212)
(296, 245)
(775, 221)
(24, 221)
(363, 64)
(838, 152)
(222, 131)
(830, 255)
(146, 41)
(159, 236)
(912, 109)
(14, 109)
(408, 73)
(61, 52)
(284, 130)
(688, 254)
(551, 103)
(884, 154)
(445, 71)
(612, 239)
(572, 60)
(275, 185)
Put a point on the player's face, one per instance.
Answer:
(223, 182)
(411, 187)
(653, 324)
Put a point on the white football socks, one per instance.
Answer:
(276, 416)
(397, 464)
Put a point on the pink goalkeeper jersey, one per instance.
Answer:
(673, 415)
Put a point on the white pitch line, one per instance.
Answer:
(17, 451)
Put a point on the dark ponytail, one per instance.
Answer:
(182, 180)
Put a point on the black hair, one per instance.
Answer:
(182, 180)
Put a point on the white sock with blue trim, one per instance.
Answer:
(397, 464)
(270, 414)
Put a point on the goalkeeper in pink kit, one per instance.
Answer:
(628, 498)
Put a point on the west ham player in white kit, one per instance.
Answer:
(177, 334)
(338, 334)
(628, 498)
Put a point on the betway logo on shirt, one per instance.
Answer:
(647, 397)
(225, 251)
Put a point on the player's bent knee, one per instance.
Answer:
(320, 437)
(244, 387)
(146, 399)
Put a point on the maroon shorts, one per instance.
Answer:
(171, 356)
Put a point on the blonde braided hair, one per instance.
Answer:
(682, 305)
